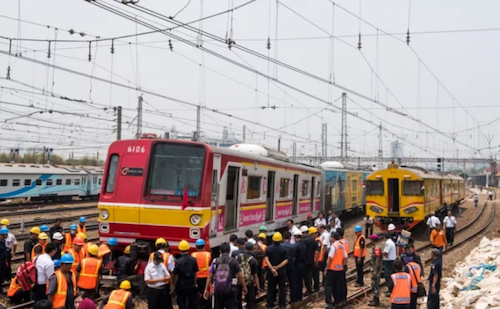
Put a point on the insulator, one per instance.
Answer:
(268, 43)
(359, 41)
(48, 51)
(8, 72)
(170, 45)
(113, 46)
(10, 46)
(408, 37)
(90, 50)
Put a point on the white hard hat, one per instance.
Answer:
(297, 233)
(57, 236)
(304, 229)
(391, 227)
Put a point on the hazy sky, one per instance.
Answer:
(465, 63)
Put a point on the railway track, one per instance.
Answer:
(45, 211)
(18, 206)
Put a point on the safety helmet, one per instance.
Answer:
(277, 237)
(374, 237)
(82, 235)
(93, 249)
(112, 242)
(67, 259)
(200, 242)
(304, 229)
(5, 222)
(297, 233)
(263, 228)
(57, 236)
(73, 227)
(309, 216)
(127, 250)
(78, 241)
(40, 236)
(313, 230)
(391, 227)
(4, 231)
(358, 228)
(125, 285)
(262, 235)
(183, 245)
(57, 263)
(44, 228)
(83, 219)
(160, 241)
(35, 230)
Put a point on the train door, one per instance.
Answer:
(393, 195)
(129, 188)
(89, 186)
(312, 195)
(214, 204)
(295, 205)
(270, 196)
(232, 198)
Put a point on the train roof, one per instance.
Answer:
(21, 168)
(423, 173)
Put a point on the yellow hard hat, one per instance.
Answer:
(160, 241)
(127, 250)
(277, 237)
(35, 230)
(93, 249)
(43, 236)
(125, 285)
(312, 230)
(5, 222)
(183, 245)
(262, 235)
(82, 235)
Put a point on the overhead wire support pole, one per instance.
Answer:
(198, 122)
(139, 118)
(343, 133)
(119, 123)
(380, 151)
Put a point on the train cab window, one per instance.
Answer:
(412, 187)
(284, 187)
(27, 182)
(68, 182)
(305, 187)
(16, 182)
(375, 187)
(58, 182)
(77, 182)
(215, 178)
(113, 167)
(38, 182)
(49, 182)
(3, 182)
(254, 185)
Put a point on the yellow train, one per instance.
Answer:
(405, 196)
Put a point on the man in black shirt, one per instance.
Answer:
(4, 232)
(253, 273)
(124, 266)
(311, 247)
(57, 239)
(290, 266)
(276, 258)
(240, 242)
(300, 258)
(57, 228)
(184, 280)
(30, 243)
(434, 280)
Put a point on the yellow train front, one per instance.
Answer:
(405, 196)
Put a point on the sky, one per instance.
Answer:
(431, 94)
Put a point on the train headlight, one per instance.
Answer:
(411, 210)
(104, 214)
(376, 209)
(104, 227)
(195, 219)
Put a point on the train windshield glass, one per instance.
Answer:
(375, 187)
(175, 167)
(413, 187)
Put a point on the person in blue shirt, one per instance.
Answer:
(290, 266)
(435, 280)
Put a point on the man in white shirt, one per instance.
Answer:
(249, 237)
(450, 223)
(11, 244)
(433, 221)
(389, 255)
(155, 276)
(292, 229)
(490, 194)
(325, 241)
(44, 270)
(368, 221)
(232, 244)
(320, 220)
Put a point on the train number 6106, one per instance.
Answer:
(136, 149)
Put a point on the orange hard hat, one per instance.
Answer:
(78, 241)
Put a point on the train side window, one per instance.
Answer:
(111, 178)
(254, 185)
(411, 187)
(375, 187)
(38, 182)
(305, 187)
(94, 180)
(68, 182)
(318, 189)
(215, 178)
(3, 182)
(77, 182)
(49, 182)
(284, 187)
(99, 181)
(354, 185)
(16, 182)
(58, 182)
(27, 182)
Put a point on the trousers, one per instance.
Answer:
(249, 298)
(204, 303)
(376, 285)
(450, 235)
(432, 299)
(274, 281)
(308, 274)
(400, 306)
(299, 279)
(187, 298)
(315, 277)
(413, 303)
(292, 282)
(334, 287)
(229, 301)
(157, 297)
(359, 270)
(39, 292)
(388, 266)
(368, 231)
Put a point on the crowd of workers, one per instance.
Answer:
(69, 268)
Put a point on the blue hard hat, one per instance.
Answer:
(112, 242)
(200, 242)
(67, 259)
(83, 219)
(73, 227)
(358, 228)
(44, 228)
(4, 230)
(57, 263)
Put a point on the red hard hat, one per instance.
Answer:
(309, 216)
(78, 241)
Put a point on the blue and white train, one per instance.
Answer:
(49, 182)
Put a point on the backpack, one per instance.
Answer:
(222, 277)
(246, 270)
(258, 253)
(26, 275)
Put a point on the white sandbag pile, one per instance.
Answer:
(476, 280)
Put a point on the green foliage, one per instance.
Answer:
(31, 158)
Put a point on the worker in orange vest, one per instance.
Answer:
(438, 239)
(68, 237)
(76, 252)
(359, 254)
(342, 239)
(39, 248)
(106, 252)
(62, 284)
(89, 272)
(16, 294)
(119, 299)
(81, 227)
(203, 258)
(401, 287)
(335, 283)
(313, 231)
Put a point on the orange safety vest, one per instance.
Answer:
(118, 299)
(263, 247)
(415, 271)
(14, 287)
(80, 229)
(33, 255)
(337, 263)
(166, 256)
(103, 250)
(357, 248)
(345, 243)
(68, 242)
(59, 300)
(318, 255)
(203, 259)
(89, 273)
(77, 257)
(401, 290)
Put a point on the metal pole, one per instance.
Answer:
(119, 123)
(244, 134)
(139, 118)
(343, 138)
(43, 155)
(198, 122)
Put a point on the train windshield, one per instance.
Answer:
(413, 187)
(176, 167)
(375, 187)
